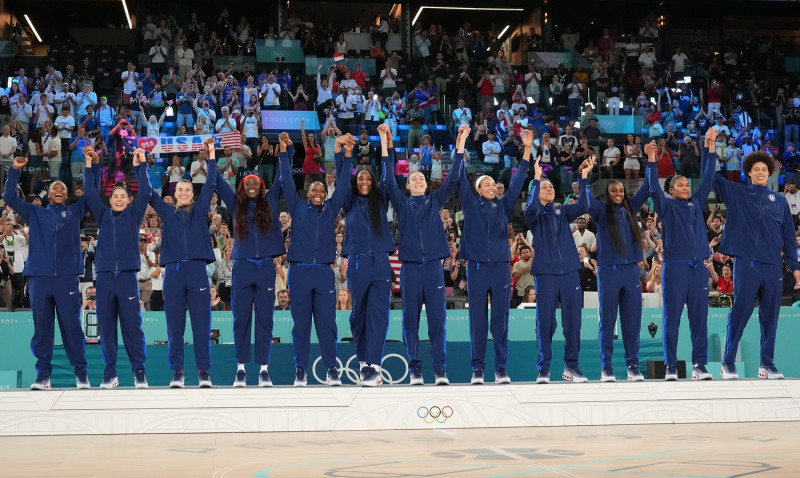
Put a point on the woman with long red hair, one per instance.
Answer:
(258, 240)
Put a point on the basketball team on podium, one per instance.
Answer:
(759, 235)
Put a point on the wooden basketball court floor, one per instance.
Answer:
(768, 449)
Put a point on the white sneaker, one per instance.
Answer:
(634, 375)
(415, 378)
(109, 383)
(477, 377)
(544, 376)
(671, 374)
(441, 378)
(699, 372)
(240, 380)
(177, 379)
(769, 371)
(728, 371)
(500, 376)
(300, 379)
(41, 383)
(607, 375)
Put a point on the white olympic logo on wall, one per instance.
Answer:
(352, 374)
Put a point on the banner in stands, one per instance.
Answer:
(277, 120)
(182, 144)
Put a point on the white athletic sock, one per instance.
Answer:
(264, 368)
(240, 366)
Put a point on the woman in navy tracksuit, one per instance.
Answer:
(423, 245)
(311, 253)
(117, 262)
(185, 251)
(684, 275)
(556, 269)
(758, 228)
(367, 244)
(258, 241)
(619, 250)
(53, 266)
(484, 245)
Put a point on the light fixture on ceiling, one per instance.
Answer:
(480, 9)
(33, 28)
(127, 14)
(503, 32)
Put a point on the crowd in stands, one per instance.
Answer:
(462, 77)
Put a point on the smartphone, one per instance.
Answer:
(585, 260)
(375, 97)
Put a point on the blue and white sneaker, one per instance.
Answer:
(574, 374)
(178, 379)
(699, 372)
(203, 379)
(728, 371)
(672, 373)
(300, 379)
(139, 379)
(240, 380)
(544, 376)
(634, 375)
(82, 381)
(264, 380)
(607, 375)
(441, 377)
(769, 371)
(370, 377)
(109, 383)
(41, 383)
(477, 377)
(332, 378)
(500, 376)
(415, 378)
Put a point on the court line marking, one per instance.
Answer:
(578, 465)
(513, 456)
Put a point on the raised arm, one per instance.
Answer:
(10, 192)
(518, 181)
(533, 204)
(145, 190)
(465, 187)
(344, 172)
(640, 197)
(454, 176)
(651, 175)
(303, 134)
(582, 205)
(708, 167)
(388, 181)
(285, 173)
(90, 184)
(203, 201)
(225, 192)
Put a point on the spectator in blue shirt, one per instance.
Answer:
(156, 174)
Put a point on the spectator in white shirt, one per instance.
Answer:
(647, 59)
(462, 114)
(271, 94)
(491, 152)
(388, 76)
(226, 123)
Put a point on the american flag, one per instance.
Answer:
(395, 262)
(171, 144)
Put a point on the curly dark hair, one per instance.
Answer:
(374, 199)
(611, 219)
(262, 215)
(758, 157)
(668, 182)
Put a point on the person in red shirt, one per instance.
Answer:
(665, 166)
(360, 77)
(724, 282)
(714, 93)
